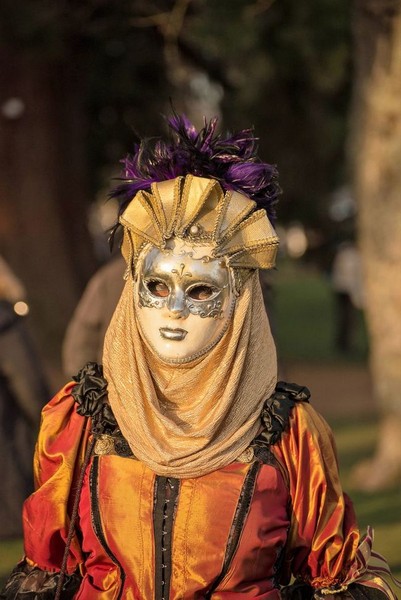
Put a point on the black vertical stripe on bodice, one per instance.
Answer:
(241, 513)
(165, 500)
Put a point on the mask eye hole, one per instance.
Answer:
(201, 292)
(157, 288)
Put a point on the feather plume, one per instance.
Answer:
(231, 159)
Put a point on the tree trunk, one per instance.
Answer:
(376, 159)
(43, 191)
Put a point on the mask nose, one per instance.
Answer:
(177, 305)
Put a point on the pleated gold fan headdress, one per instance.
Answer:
(207, 191)
(201, 186)
(197, 210)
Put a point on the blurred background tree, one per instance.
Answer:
(79, 78)
(375, 157)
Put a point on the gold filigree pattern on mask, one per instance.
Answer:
(161, 266)
(181, 272)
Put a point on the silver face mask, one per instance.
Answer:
(185, 300)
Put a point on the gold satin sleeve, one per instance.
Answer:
(58, 456)
(323, 536)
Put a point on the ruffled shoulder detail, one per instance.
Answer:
(277, 410)
(90, 396)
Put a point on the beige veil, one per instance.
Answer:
(188, 420)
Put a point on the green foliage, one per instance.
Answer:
(287, 69)
(284, 67)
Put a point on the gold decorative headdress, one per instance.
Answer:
(204, 188)
(197, 210)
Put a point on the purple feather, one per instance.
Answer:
(231, 159)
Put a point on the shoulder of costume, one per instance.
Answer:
(62, 403)
(89, 390)
(277, 410)
(84, 396)
(91, 398)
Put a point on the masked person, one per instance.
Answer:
(186, 471)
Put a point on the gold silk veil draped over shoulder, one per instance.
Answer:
(190, 419)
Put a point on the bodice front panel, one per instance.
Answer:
(147, 537)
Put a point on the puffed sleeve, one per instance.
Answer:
(324, 547)
(59, 454)
(58, 457)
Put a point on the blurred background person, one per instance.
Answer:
(83, 341)
(346, 280)
(23, 392)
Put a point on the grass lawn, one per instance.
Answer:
(381, 510)
(10, 553)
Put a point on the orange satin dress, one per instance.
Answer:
(239, 532)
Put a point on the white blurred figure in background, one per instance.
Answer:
(346, 279)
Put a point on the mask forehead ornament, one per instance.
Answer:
(196, 211)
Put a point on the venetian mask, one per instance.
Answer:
(184, 300)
